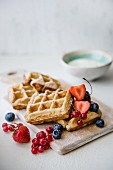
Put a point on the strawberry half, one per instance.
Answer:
(82, 106)
(78, 91)
(21, 135)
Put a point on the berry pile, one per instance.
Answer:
(42, 141)
(21, 133)
(82, 103)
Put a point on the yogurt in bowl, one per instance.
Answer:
(87, 63)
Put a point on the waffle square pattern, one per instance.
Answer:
(20, 94)
(49, 106)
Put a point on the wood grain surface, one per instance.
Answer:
(75, 139)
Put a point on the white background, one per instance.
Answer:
(33, 35)
(54, 27)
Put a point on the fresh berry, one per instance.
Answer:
(11, 128)
(40, 135)
(49, 138)
(58, 127)
(80, 122)
(20, 124)
(46, 146)
(4, 124)
(87, 97)
(94, 107)
(21, 135)
(82, 106)
(78, 91)
(56, 134)
(76, 114)
(33, 145)
(84, 116)
(41, 148)
(100, 123)
(35, 141)
(34, 150)
(42, 141)
(10, 116)
(5, 128)
(49, 129)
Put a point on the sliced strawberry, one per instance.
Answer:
(21, 135)
(78, 91)
(82, 106)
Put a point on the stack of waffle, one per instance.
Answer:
(45, 101)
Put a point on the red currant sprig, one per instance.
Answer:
(80, 116)
(42, 141)
(11, 127)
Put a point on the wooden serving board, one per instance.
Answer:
(75, 139)
(72, 140)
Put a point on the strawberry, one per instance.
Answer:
(78, 91)
(21, 135)
(82, 106)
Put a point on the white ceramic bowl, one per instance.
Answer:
(93, 64)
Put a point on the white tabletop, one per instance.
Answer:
(95, 155)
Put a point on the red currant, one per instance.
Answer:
(4, 124)
(84, 116)
(46, 146)
(49, 138)
(75, 114)
(41, 148)
(33, 145)
(42, 141)
(49, 129)
(40, 135)
(11, 128)
(34, 150)
(80, 122)
(35, 141)
(5, 128)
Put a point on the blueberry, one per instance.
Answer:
(10, 116)
(56, 134)
(94, 107)
(100, 123)
(58, 127)
(87, 97)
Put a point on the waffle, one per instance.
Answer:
(72, 125)
(20, 94)
(49, 106)
(41, 82)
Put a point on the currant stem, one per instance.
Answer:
(89, 84)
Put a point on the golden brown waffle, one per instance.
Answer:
(20, 94)
(41, 82)
(49, 106)
(72, 125)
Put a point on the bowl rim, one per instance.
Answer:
(106, 54)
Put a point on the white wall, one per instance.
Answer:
(55, 26)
